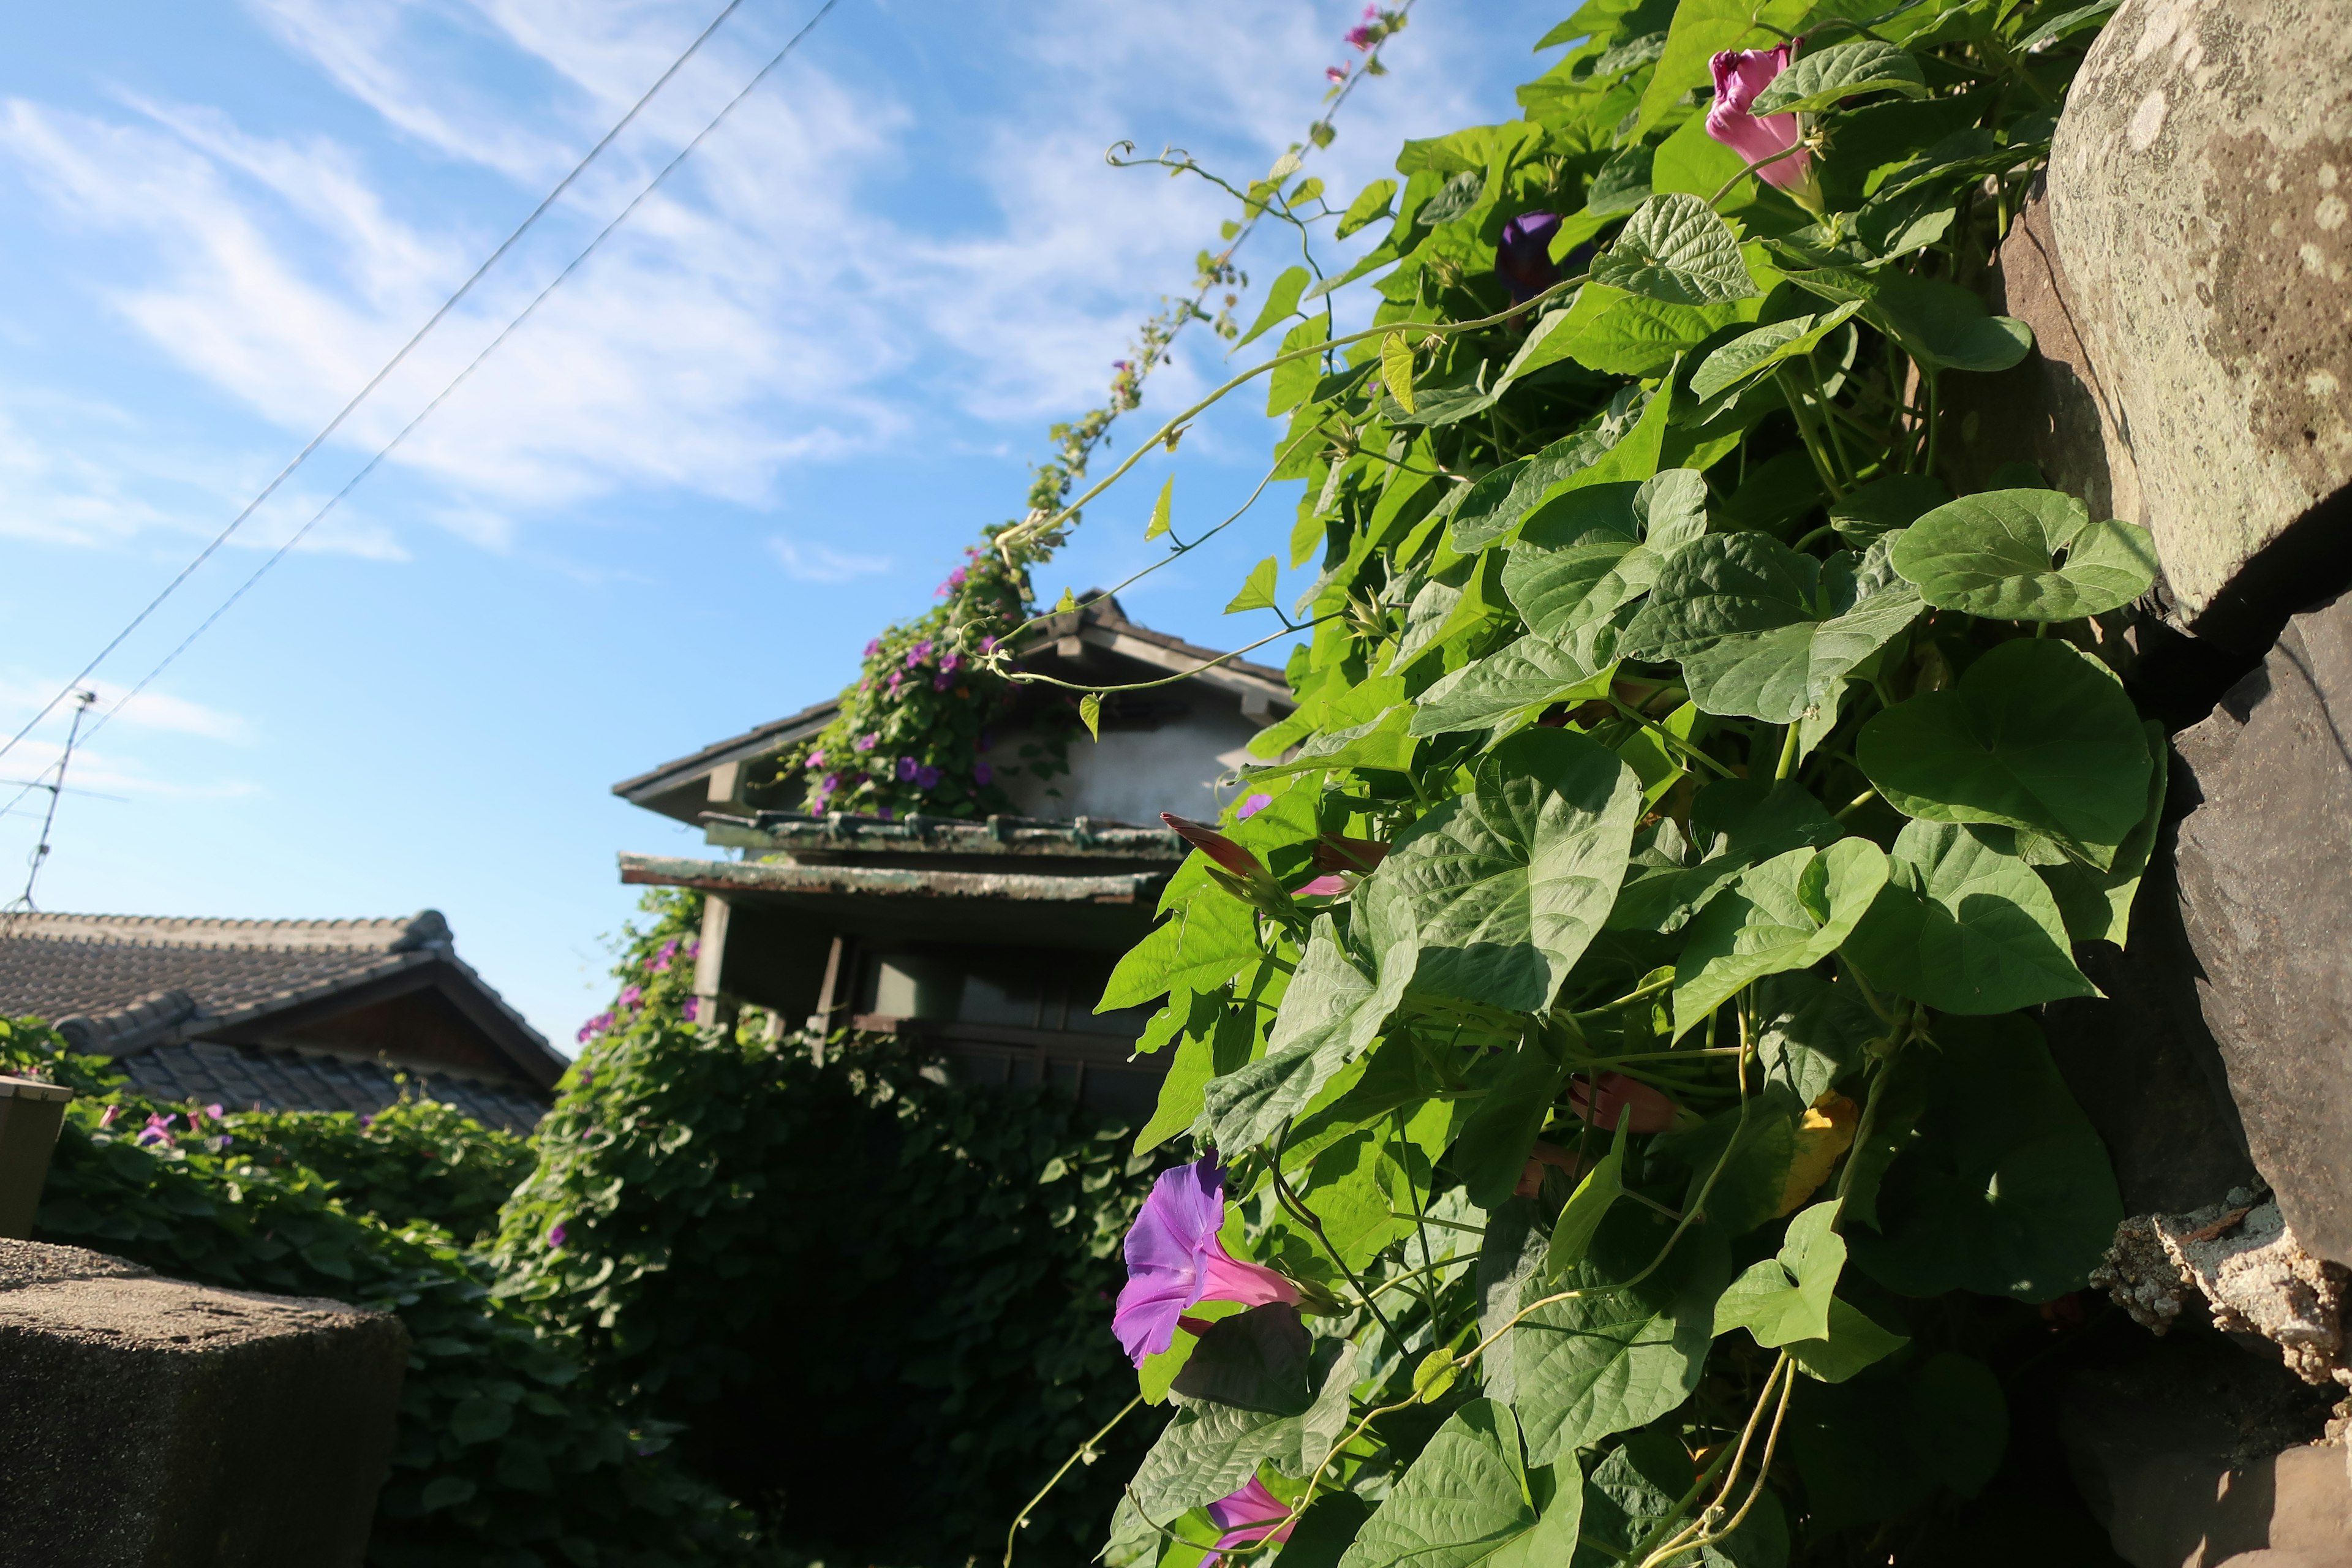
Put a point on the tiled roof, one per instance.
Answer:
(119, 984)
(250, 1078)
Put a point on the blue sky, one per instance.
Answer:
(761, 423)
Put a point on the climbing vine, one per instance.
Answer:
(1602, 1022)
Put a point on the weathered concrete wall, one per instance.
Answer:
(152, 1423)
(2197, 202)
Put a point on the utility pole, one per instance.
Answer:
(83, 702)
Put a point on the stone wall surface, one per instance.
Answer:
(151, 1421)
(2264, 868)
(2199, 315)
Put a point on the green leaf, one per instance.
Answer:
(1854, 1342)
(1396, 369)
(1496, 1139)
(1702, 28)
(2025, 555)
(1879, 1448)
(1677, 248)
(1764, 632)
(1281, 300)
(1735, 823)
(1201, 945)
(1941, 325)
(1509, 884)
(1530, 673)
(1881, 506)
(2035, 735)
(1622, 184)
(1090, 713)
(1740, 363)
(1646, 1479)
(1824, 79)
(1370, 205)
(1356, 1189)
(1257, 593)
(1255, 1359)
(1160, 509)
(1617, 444)
(1615, 1357)
(1789, 913)
(1595, 1196)
(2059, 26)
(1217, 1041)
(2003, 1187)
(1965, 926)
(1337, 1006)
(1211, 1451)
(1628, 335)
(481, 1418)
(1293, 382)
(1812, 1032)
(1785, 1298)
(446, 1492)
(2097, 905)
(1465, 1502)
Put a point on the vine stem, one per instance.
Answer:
(1292, 1203)
(1669, 736)
(1429, 331)
(1020, 1519)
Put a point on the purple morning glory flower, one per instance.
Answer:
(982, 773)
(632, 994)
(867, 742)
(951, 663)
(692, 1009)
(988, 645)
(919, 652)
(556, 1233)
(884, 814)
(1249, 1516)
(874, 647)
(832, 782)
(1523, 255)
(694, 948)
(941, 681)
(668, 947)
(1252, 806)
(926, 777)
(157, 1131)
(906, 769)
(1175, 1262)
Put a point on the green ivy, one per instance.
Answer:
(873, 1300)
(419, 1160)
(504, 1458)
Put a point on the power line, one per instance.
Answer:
(279, 554)
(459, 379)
(373, 381)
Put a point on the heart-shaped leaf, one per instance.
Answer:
(1965, 926)
(1509, 884)
(2025, 555)
(1763, 631)
(2035, 735)
(1784, 1299)
(1941, 325)
(1853, 1342)
(1530, 673)
(1738, 362)
(1789, 913)
(1677, 248)
(1825, 78)
(1464, 1504)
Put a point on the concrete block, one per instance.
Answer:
(149, 1422)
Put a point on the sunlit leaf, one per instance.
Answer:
(1677, 248)
(2025, 555)
(1820, 80)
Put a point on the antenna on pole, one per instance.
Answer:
(83, 700)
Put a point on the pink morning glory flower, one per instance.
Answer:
(874, 647)
(1175, 1261)
(867, 742)
(816, 759)
(1324, 887)
(1335, 75)
(1252, 806)
(1740, 76)
(106, 1119)
(1251, 1515)
(692, 1009)
(632, 994)
(157, 1131)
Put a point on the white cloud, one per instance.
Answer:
(780, 304)
(819, 563)
(20, 697)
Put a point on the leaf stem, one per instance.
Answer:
(1021, 1519)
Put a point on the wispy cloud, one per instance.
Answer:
(20, 696)
(821, 563)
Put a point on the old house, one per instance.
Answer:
(280, 1015)
(988, 940)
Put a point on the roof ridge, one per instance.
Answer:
(425, 929)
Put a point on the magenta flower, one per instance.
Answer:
(816, 759)
(982, 773)
(1523, 255)
(1175, 1261)
(895, 677)
(1252, 806)
(874, 647)
(919, 652)
(1337, 74)
(108, 1117)
(832, 782)
(1740, 76)
(692, 1009)
(906, 770)
(668, 948)
(157, 1131)
(1251, 1515)
(632, 994)
(926, 777)
(555, 1234)
(951, 663)
(884, 813)
(941, 681)
(694, 947)
(1324, 887)
(988, 645)
(1229, 858)
(867, 742)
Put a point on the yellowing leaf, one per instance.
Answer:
(1823, 1134)
(1160, 509)
(1396, 369)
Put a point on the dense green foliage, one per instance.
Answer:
(832, 1269)
(1608, 998)
(419, 1160)
(505, 1458)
